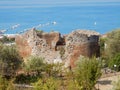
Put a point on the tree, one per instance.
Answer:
(10, 60)
(87, 73)
(34, 64)
(113, 43)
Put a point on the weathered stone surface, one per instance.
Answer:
(82, 43)
(23, 46)
(56, 48)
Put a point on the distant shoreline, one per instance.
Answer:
(8, 35)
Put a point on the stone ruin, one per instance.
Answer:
(57, 48)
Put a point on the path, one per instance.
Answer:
(105, 82)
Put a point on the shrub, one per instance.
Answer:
(87, 72)
(113, 43)
(73, 85)
(115, 61)
(47, 84)
(53, 69)
(26, 79)
(34, 64)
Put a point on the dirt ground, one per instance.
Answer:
(105, 82)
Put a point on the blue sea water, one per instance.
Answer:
(98, 17)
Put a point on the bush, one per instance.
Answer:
(113, 43)
(115, 61)
(53, 70)
(47, 84)
(87, 73)
(73, 85)
(34, 64)
(26, 79)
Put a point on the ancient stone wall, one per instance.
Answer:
(23, 46)
(83, 43)
(55, 48)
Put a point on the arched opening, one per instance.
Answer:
(60, 44)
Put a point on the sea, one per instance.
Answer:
(100, 17)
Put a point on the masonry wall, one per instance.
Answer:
(55, 48)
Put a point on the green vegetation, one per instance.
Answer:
(73, 85)
(115, 61)
(110, 51)
(113, 43)
(87, 73)
(36, 68)
(53, 69)
(7, 40)
(44, 76)
(47, 76)
(34, 64)
(47, 84)
(10, 60)
(83, 77)
(26, 78)
(33, 68)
